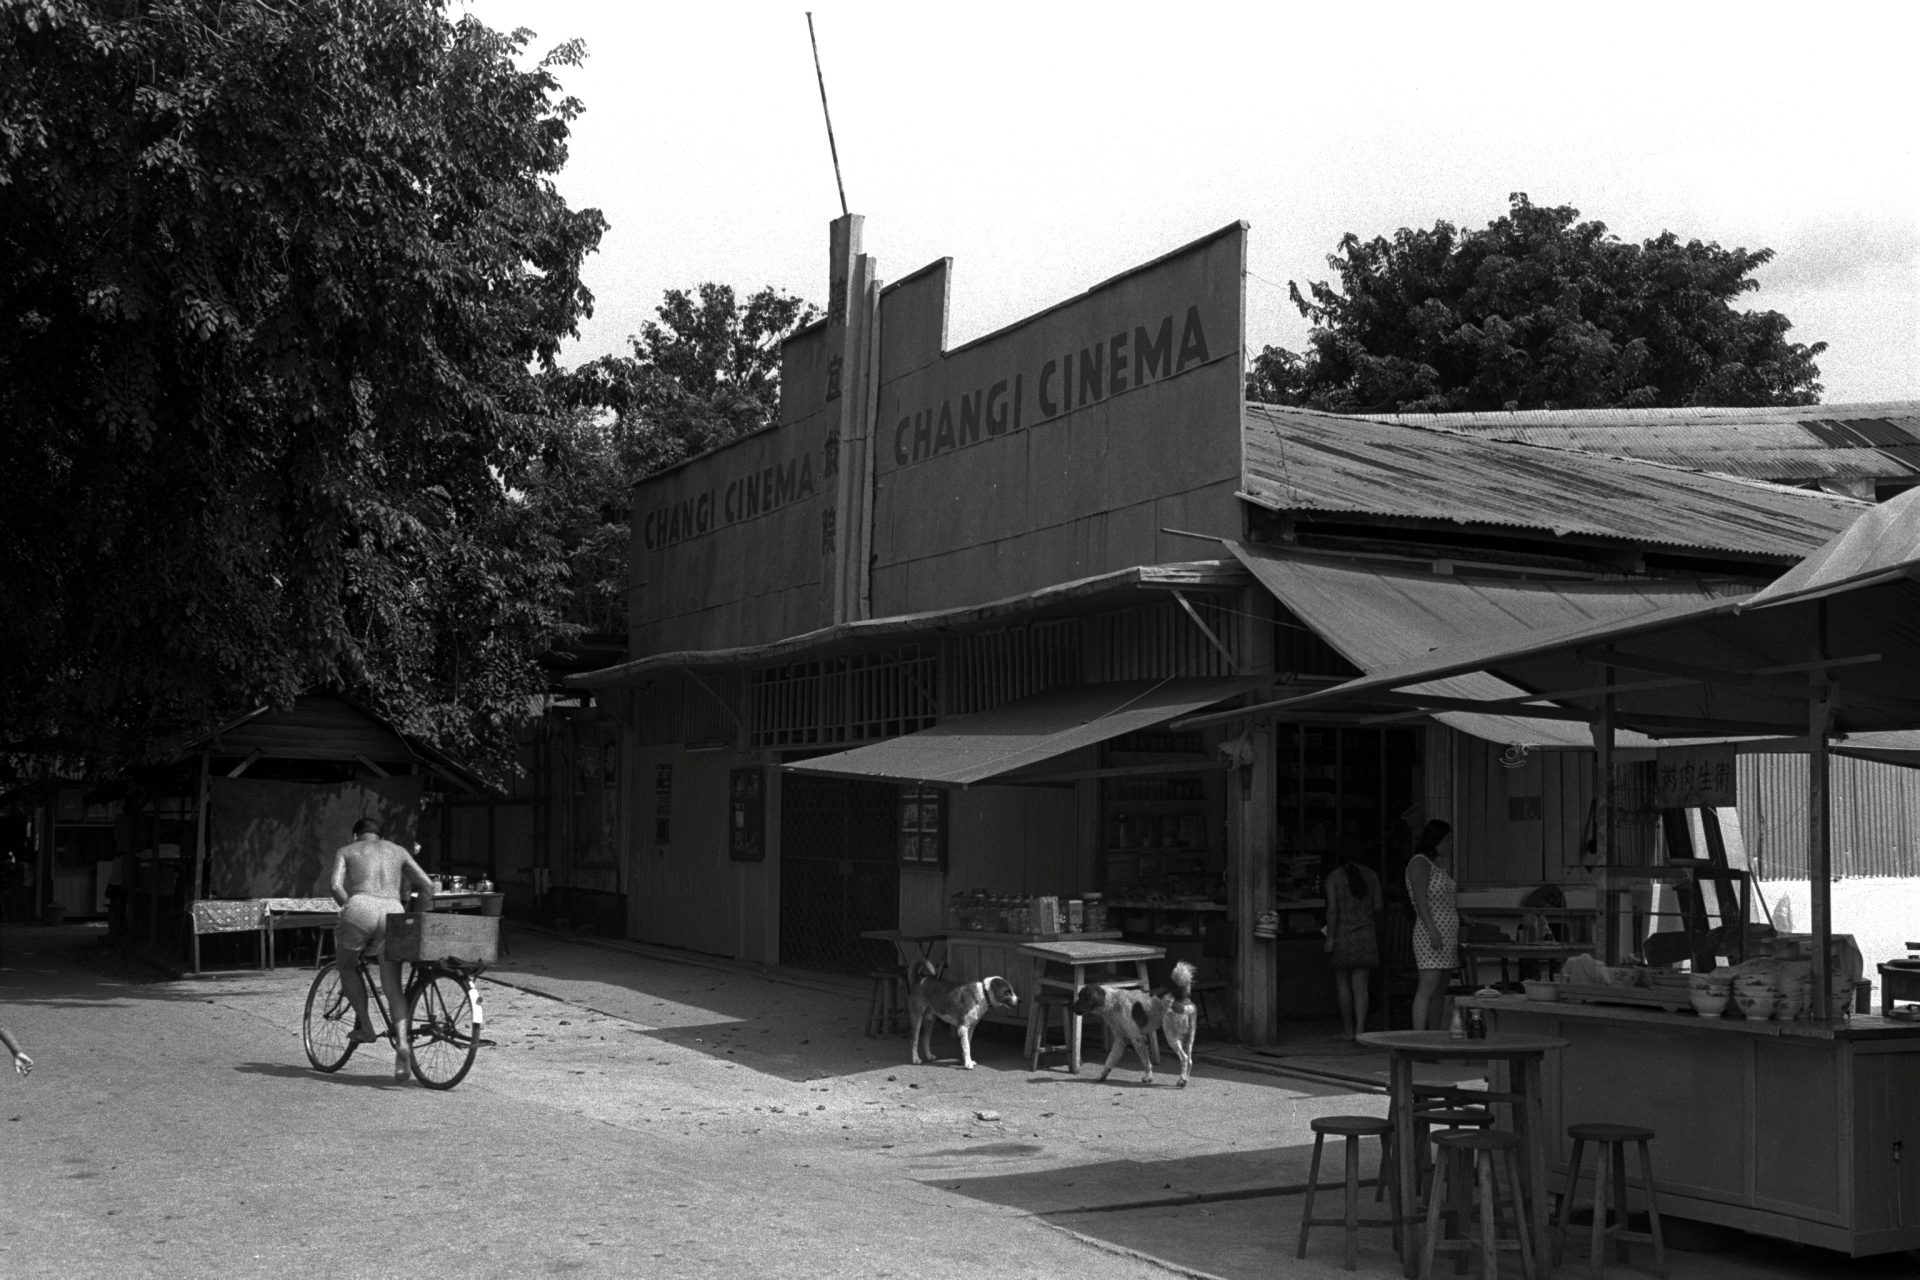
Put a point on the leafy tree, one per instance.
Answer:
(276, 278)
(706, 372)
(1537, 311)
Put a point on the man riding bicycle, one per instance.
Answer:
(368, 878)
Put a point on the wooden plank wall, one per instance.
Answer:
(316, 727)
(1520, 825)
(1016, 840)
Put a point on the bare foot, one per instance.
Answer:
(402, 1067)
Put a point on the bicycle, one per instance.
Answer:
(447, 1019)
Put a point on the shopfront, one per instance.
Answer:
(983, 622)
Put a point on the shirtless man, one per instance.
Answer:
(368, 877)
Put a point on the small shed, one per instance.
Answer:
(251, 813)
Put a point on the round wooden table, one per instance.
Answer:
(1522, 1055)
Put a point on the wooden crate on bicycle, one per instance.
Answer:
(445, 936)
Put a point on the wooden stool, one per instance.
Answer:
(1611, 1171)
(1447, 1119)
(1352, 1128)
(1038, 1008)
(1465, 1158)
(887, 1010)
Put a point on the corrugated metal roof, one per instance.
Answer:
(1800, 444)
(1300, 460)
(1379, 617)
(1722, 667)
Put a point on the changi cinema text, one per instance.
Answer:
(1073, 381)
(1127, 360)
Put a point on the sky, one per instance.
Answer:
(1048, 147)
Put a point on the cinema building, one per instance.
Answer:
(970, 624)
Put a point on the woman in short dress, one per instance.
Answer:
(1354, 903)
(1436, 929)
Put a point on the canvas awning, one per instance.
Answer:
(1380, 617)
(1003, 744)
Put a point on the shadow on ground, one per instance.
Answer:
(1109, 1185)
(95, 971)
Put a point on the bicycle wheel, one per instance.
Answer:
(327, 1025)
(446, 1033)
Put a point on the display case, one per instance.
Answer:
(1162, 820)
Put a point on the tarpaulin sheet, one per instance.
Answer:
(276, 839)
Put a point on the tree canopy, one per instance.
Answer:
(1537, 311)
(707, 371)
(277, 278)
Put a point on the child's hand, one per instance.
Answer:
(22, 1063)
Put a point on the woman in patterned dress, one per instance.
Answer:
(1354, 904)
(1436, 929)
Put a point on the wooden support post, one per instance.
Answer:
(1250, 826)
(1603, 826)
(1819, 850)
(199, 838)
(1819, 813)
(1251, 839)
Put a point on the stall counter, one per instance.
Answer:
(1796, 1130)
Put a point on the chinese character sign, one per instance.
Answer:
(1695, 778)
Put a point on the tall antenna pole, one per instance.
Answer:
(831, 146)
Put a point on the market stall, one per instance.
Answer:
(234, 835)
(1791, 1123)
(1793, 1129)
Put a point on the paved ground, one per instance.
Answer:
(644, 1114)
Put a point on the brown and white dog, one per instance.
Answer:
(1132, 1016)
(961, 1003)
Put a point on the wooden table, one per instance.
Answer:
(911, 948)
(1522, 1055)
(1080, 957)
(299, 913)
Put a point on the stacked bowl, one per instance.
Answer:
(1756, 995)
(1709, 993)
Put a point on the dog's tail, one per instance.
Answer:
(1181, 980)
(924, 969)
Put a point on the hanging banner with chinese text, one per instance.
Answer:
(1699, 777)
